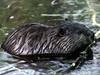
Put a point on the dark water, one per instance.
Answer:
(17, 12)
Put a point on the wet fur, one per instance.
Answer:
(34, 40)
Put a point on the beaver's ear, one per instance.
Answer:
(61, 32)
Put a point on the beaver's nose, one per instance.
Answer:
(91, 36)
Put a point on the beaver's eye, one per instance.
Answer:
(61, 32)
(80, 32)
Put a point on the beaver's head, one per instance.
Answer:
(76, 29)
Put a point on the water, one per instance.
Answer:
(16, 12)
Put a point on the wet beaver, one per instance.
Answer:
(67, 38)
(38, 41)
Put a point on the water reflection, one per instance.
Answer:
(16, 12)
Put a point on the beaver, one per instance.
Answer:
(68, 39)
(37, 41)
